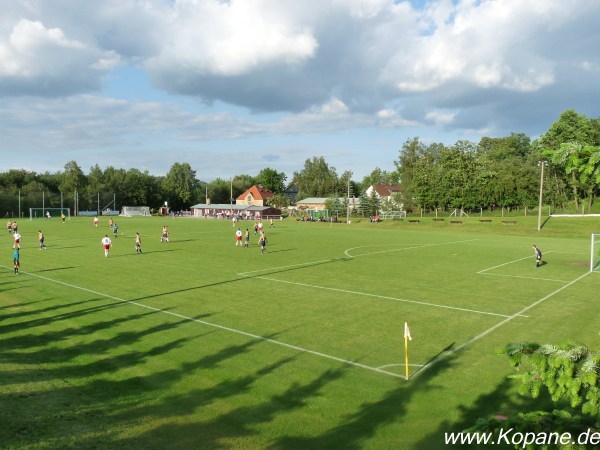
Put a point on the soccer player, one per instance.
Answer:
(246, 238)
(41, 239)
(115, 230)
(165, 234)
(260, 226)
(106, 243)
(16, 261)
(138, 243)
(263, 243)
(238, 238)
(271, 224)
(9, 226)
(96, 221)
(17, 238)
(62, 216)
(538, 256)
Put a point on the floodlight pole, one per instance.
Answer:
(231, 196)
(348, 196)
(541, 164)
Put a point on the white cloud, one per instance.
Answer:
(225, 39)
(316, 66)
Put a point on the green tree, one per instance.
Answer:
(334, 205)
(576, 129)
(278, 201)
(73, 179)
(179, 185)
(378, 176)
(219, 191)
(316, 179)
(271, 179)
(570, 374)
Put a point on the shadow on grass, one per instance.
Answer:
(54, 269)
(127, 378)
(501, 401)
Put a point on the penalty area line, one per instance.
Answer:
(221, 327)
(385, 297)
(498, 325)
(403, 248)
(507, 263)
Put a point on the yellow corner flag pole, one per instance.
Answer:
(407, 337)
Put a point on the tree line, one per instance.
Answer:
(495, 172)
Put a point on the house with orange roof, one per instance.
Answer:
(256, 195)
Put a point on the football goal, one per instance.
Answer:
(130, 211)
(48, 213)
(393, 215)
(595, 253)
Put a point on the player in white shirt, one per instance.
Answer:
(17, 238)
(106, 243)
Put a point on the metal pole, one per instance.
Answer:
(348, 206)
(541, 163)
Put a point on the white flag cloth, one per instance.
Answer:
(407, 332)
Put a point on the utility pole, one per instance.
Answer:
(541, 164)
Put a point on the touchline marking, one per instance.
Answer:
(527, 278)
(498, 325)
(220, 327)
(366, 294)
(404, 248)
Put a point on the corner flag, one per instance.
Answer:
(407, 337)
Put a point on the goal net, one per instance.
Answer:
(130, 211)
(595, 253)
(49, 213)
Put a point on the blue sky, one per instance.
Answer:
(233, 87)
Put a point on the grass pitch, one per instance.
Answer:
(201, 344)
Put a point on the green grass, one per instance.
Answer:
(199, 344)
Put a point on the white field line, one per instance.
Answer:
(527, 278)
(498, 325)
(385, 297)
(507, 263)
(400, 365)
(243, 274)
(403, 248)
(348, 255)
(220, 327)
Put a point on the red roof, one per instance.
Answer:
(385, 190)
(258, 192)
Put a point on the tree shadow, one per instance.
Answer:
(360, 426)
(502, 401)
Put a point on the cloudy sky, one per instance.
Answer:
(234, 86)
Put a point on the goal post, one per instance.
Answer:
(595, 253)
(48, 213)
(130, 211)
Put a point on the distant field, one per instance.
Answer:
(201, 344)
